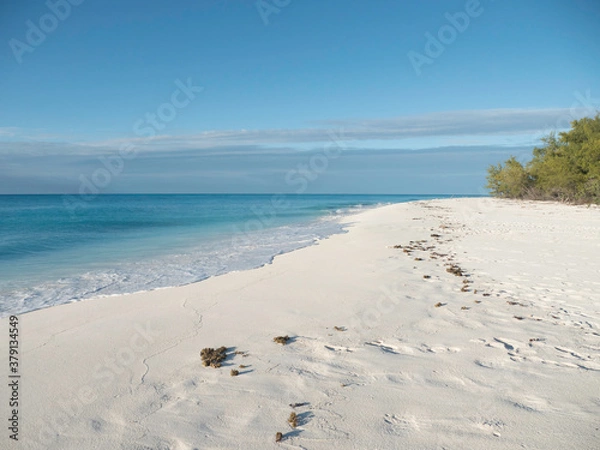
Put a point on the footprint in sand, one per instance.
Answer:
(400, 426)
(337, 349)
(427, 349)
(580, 361)
(489, 363)
(383, 347)
(491, 426)
(502, 342)
(570, 353)
(393, 349)
(528, 403)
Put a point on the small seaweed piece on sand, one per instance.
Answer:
(234, 372)
(297, 405)
(212, 357)
(427, 277)
(513, 303)
(281, 339)
(278, 437)
(438, 304)
(339, 328)
(293, 420)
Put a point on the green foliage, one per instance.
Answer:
(510, 180)
(566, 168)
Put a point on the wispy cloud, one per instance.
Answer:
(8, 131)
(451, 124)
(496, 122)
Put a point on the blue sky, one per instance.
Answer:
(247, 96)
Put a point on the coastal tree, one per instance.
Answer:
(566, 168)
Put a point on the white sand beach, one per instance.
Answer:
(420, 358)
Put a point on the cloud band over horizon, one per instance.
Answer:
(438, 145)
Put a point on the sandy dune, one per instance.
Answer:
(509, 359)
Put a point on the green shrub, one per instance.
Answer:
(510, 180)
(566, 168)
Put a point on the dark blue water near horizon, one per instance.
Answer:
(52, 254)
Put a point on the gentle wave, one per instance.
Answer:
(242, 251)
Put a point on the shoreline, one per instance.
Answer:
(340, 221)
(430, 359)
(322, 226)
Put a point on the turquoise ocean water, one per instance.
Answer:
(52, 254)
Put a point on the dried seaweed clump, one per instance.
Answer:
(293, 420)
(234, 372)
(455, 270)
(281, 339)
(278, 437)
(212, 357)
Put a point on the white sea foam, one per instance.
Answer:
(216, 257)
